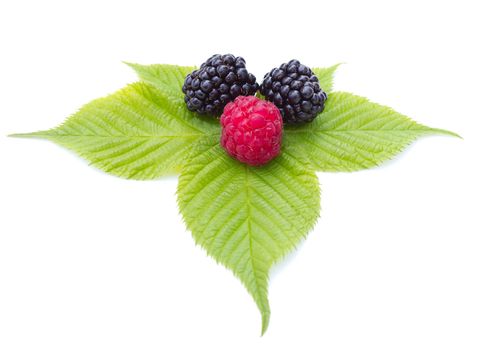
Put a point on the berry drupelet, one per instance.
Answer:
(295, 90)
(221, 79)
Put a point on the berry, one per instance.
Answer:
(295, 90)
(218, 81)
(251, 130)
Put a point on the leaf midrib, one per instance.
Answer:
(201, 135)
(249, 233)
(357, 130)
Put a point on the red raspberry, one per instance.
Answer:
(251, 130)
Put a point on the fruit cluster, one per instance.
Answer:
(252, 127)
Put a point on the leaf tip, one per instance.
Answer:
(266, 315)
(447, 133)
(134, 66)
(24, 135)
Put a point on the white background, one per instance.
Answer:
(90, 261)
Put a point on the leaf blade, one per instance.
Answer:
(135, 133)
(353, 133)
(326, 76)
(166, 77)
(248, 218)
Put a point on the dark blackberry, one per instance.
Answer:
(295, 90)
(218, 81)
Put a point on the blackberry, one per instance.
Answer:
(218, 81)
(295, 90)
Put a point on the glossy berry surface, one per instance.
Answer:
(220, 80)
(251, 130)
(295, 90)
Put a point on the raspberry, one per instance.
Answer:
(218, 81)
(295, 90)
(251, 130)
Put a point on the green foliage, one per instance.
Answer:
(135, 133)
(247, 218)
(353, 133)
(166, 77)
(325, 77)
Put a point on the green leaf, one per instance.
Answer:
(135, 133)
(248, 218)
(325, 76)
(166, 77)
(353, 133)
